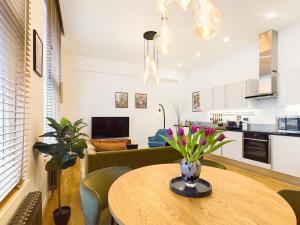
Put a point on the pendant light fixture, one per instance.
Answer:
(184, 4)
(164, 39)
(207, 19)
(150, 57)
(162, 6)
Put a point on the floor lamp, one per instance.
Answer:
(161, 108)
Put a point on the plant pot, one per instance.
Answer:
(61, 217)
(190, 172)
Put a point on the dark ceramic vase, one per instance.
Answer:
(61, 217)
(190, 172)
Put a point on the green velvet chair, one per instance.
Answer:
(293, 198)
(206, 162)
(94, 194)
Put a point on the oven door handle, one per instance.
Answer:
(253, 139)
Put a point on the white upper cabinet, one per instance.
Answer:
(289, 91)
(219, 97)
(206, 100)
(236, 93)
(251, 87)
(286, 154)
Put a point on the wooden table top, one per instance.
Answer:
(143, 197)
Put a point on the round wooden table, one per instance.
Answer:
(143, 197)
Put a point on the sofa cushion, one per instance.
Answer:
(108, 145)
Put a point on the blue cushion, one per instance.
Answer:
(154, 144)
(157, 140)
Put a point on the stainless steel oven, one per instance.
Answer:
(288, 124)
(257, 147)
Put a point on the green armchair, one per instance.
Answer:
(293, 198)
(94, 194)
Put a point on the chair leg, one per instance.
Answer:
(113, 222)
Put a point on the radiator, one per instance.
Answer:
(30, 211)
(52, 180)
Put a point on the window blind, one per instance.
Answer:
(14, 84)
(53, 63)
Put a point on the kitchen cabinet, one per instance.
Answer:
(251, 87)
(219, 97)
(206, 99)
(285, 154)
(233, 150)
(235, 95)
(289, 91)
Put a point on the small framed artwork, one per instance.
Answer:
(37, 54)
(196, 101)
(140, 101)
(121, 100)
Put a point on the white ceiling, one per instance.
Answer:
(113, 29)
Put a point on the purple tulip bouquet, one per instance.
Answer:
(198, 142)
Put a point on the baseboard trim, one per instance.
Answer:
(266, 172)
(45, 202)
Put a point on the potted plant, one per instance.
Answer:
(69, 144)
(198, 142)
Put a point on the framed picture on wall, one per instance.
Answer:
(121, 100)
(196, 101)
(37, 54)
(140, 101)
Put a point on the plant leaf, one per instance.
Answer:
(49, 134)
(53, 164)
(68, 160)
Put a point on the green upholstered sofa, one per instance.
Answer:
(131, 158)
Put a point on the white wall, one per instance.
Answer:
(241, 65)
(36, 176)
(89, 90)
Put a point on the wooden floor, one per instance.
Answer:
(70, 192)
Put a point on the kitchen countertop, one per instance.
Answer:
(265, 131)
(257, 128)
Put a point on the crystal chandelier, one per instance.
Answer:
(184, 4)
(164, 39)
(150, 57)
(162, 5)
(207, 19)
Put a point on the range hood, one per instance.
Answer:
(268, 61)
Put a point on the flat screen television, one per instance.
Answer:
(110, 127)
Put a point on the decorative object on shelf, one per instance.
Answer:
(162, 109)
(206, 16)
(196, 101)
(164, 39)
(121, 100)
(140, 101)
(178, 110)
(150, 57)
(193, 146)
(69, 144)
(37, 54)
